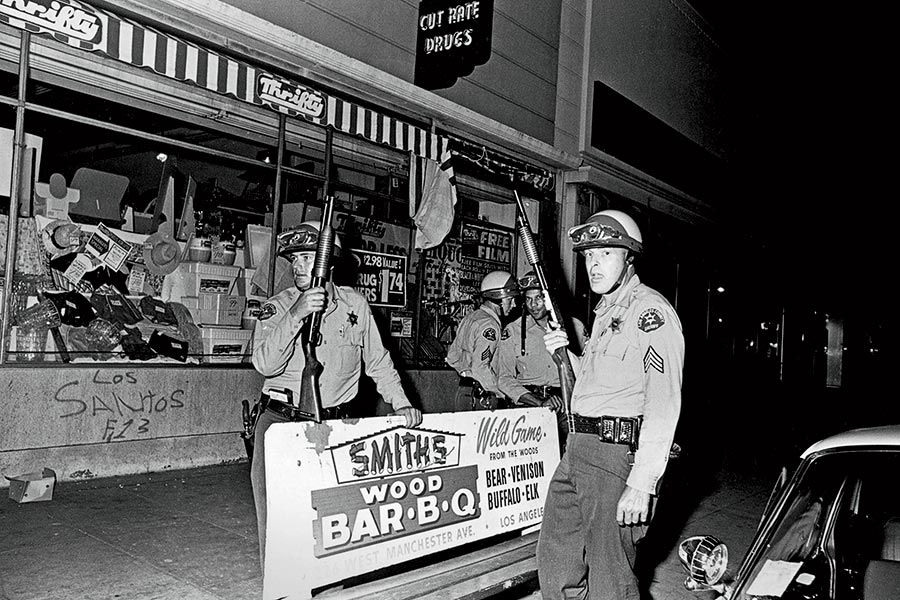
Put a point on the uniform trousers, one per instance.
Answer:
(258, 475)
(582, 552)
(258, 466)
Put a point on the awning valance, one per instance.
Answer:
(89, 28)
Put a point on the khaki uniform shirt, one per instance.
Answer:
(349, 339)
(632, 367)
(474, 350)
(515, 370)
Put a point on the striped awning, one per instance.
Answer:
(95, 30)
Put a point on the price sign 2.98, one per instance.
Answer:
(381, 278)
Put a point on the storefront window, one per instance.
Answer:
(119, 173)
(160, 195)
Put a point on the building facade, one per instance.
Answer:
(237, 119)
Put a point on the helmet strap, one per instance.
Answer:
(494, 305)
(524, 314)
(625, 275)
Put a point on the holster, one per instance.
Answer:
(250, 417)
(483, 399)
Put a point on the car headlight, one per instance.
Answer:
(704, 557)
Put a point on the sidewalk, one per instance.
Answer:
(191, 535)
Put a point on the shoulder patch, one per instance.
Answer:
(267, 311)
(650, 320)
(505, 335)
(490, 334)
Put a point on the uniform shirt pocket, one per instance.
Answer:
(612, 369)
(616, 347)
(350, 348)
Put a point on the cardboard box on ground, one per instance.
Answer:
(32, 487)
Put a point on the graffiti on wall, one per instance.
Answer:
(117, 405)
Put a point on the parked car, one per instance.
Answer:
(829, 531)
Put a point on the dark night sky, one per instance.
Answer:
(811, 140)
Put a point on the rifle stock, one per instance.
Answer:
(560, 355)
(310, 394)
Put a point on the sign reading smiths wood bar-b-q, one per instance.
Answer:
(350, 497)
(454, 37)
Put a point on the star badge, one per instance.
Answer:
(352, 318)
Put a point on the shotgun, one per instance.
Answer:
(560, 355)
(310, 336)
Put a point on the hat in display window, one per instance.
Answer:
(162, 254)
(61, 237)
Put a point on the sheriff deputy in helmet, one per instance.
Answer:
(626, 403)
(350, 339)
(474, 349)
(525, 372)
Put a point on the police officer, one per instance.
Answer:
(350, 339)
(626, 403)
(474, 349)
(525, 372)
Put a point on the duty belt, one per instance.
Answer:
(545, 390)
(294, 413)
(612, 430)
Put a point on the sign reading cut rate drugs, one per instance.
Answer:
(350, 497)
(454, 37)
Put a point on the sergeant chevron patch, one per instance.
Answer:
(652, 360)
